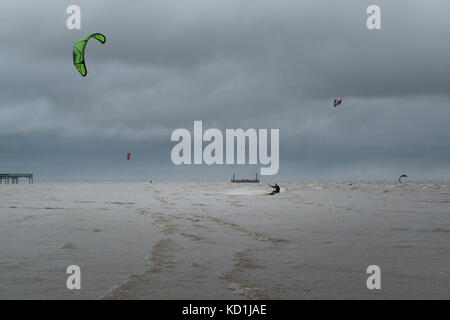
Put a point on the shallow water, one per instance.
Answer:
(224, 241)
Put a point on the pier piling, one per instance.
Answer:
(14, 177)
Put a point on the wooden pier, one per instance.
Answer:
(14, 177)
(234, 180)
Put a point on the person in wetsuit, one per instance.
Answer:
(276, 189)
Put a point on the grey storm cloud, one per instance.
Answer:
(232, 64)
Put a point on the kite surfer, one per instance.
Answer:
(276, 189)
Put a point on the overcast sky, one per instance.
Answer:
(232, 64)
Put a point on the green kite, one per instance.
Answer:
(78, 51)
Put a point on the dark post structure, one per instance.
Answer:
(14, 177)
(234, 180)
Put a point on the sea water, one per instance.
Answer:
(206, 240)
